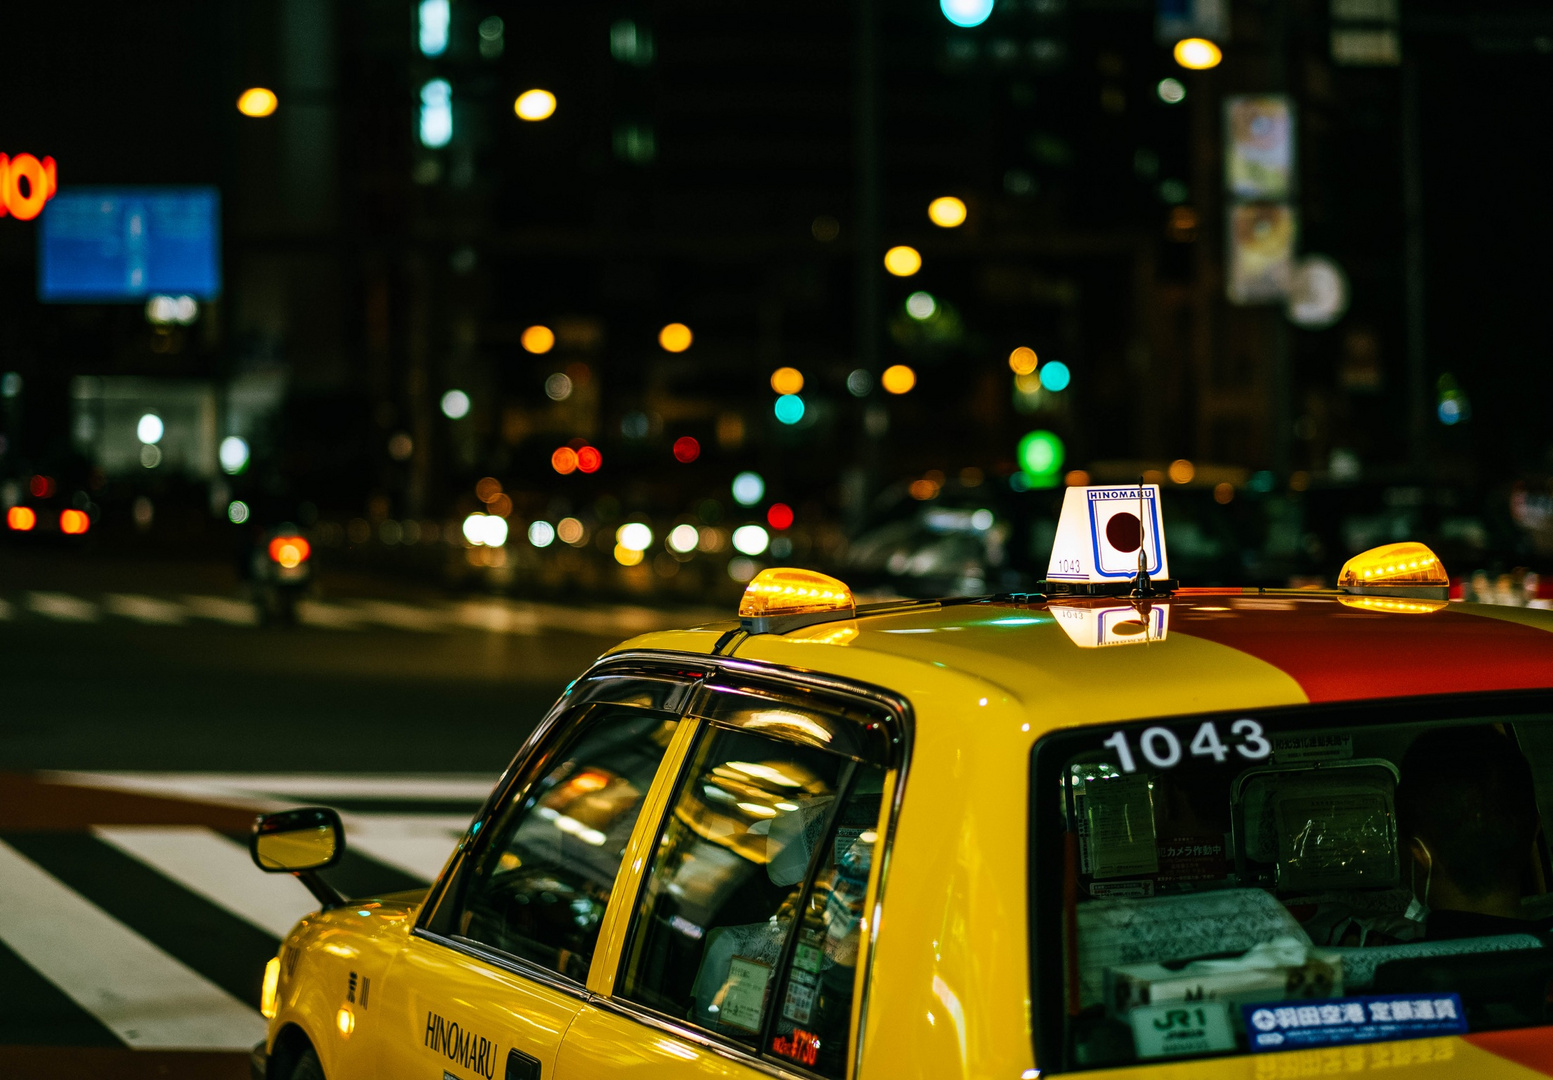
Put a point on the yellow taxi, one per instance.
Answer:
(1119, 828)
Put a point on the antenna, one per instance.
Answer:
(1141, 585)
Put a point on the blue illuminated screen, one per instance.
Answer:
(107, 244)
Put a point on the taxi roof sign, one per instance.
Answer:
(1100, 536)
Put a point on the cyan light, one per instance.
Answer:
(435, 17)
(1055, 375)
(966, 12)
(789, 408)
(436, 113)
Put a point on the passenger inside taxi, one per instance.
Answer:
(1467, 811)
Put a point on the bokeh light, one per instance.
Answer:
(570, 530)
(150, 428)
(902, 261)
(779, 516)
(946, 212)
(789, 408)
(859, 382)
(455, 404)
(233, 454)
(564, 460)
(1181, 471)
(589, 459)
(257, 101)
(686, 449)
(237, 511)
(1197, 54)
(966, 12)
(684, 538)
(23, 518)
(751, 539)
(1223, 493)
(538, 339)
(634, 536)
(921, 305)
(1040, 457)
(558, 387)
(534, 105)
(1076, 478)
(1022, 360)
(787, 380)
(627, 556)
(675, 337)
(1055, 376)
(74, 522)
(898, 379)
(1171, 91)
(541, 534)
(748, 488)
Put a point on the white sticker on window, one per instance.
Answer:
(1176, 1028)
(744, 994)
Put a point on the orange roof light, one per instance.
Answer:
(796, 597)
(1396, 569)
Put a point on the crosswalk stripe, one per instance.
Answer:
(216, 868)
(143, 995)
(222, 609)
(63, 607)
(418, 844)
(328, 616)
(146, 609)
(267, 790)
(419, 620)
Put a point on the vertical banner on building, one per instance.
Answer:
(1261, 252)
(1260, 181)
(1259, 147)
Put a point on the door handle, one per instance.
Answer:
(521, 1066)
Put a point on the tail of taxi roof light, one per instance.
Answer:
(783, 598)
(1406, 569)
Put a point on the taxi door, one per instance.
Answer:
(496, 969)
(742, 952)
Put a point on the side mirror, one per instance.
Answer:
(296, 841)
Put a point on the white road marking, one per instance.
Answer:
(144, 996)
(329, 616)
(222, 609)
(418, 844)
(63, 607)
(402, 616)
(210, 865)
(146, 609)
(496, 617)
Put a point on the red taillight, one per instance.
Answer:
(41, 486)
(21, 518)
(290, 551)
(73, 522)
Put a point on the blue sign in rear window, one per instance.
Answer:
(1290, 1025)
(125, 244)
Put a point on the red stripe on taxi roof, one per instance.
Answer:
(1338, 653)
(1531, 1047)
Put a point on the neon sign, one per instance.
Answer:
(41, 184)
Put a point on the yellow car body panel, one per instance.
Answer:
(947, 990)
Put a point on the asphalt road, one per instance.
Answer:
(145, 717)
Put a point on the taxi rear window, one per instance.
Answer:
(1291, 879)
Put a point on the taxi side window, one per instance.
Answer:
(765, 837)
(539, 885)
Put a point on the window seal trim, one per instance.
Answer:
(901, 739)
(514, 965)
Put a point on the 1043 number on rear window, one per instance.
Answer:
(1161, 747)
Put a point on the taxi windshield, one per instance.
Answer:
(1291, 878)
